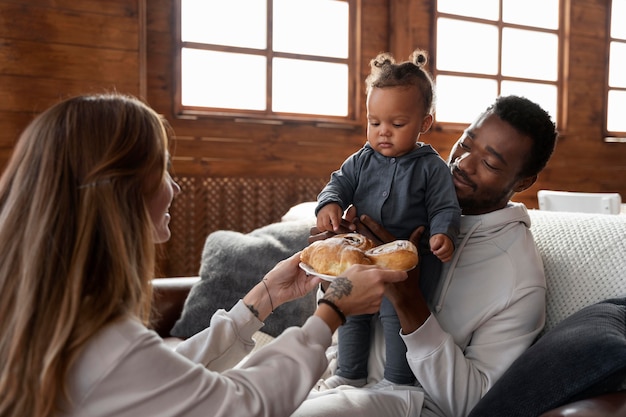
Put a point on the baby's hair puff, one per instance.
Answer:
(385, 72)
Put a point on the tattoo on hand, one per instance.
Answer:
(340, 287)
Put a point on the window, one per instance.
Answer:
(616, 91)
(495, 47)
(272, 59)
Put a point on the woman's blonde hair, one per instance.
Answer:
(76, 239)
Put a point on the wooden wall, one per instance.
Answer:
(50, 49)
(241, 175)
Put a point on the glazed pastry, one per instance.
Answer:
(357, 240)
(336, 254)
(332, 256)
(399, 254)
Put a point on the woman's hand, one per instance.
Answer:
(285, 282)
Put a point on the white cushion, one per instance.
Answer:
(584, 258)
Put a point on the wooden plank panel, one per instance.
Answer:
(56, 61)
(26, 21)
(110, 7)
(588, 17)
(405, 36)
(161, 43)
(12, 125)
(35, 94)
(258, 153)
(161, 16)
(5, 154)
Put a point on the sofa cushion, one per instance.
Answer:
(584, 258)
(234, 262)
(583, 356)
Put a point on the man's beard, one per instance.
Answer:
(472, 204)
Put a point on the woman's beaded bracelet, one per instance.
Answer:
(334, 307)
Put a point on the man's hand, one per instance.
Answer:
(407, 297)
(375, 231)
(359, 290)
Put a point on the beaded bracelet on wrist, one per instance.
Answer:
(334, 307)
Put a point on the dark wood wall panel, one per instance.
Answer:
(241, 176)
(59, 22)
(52, 49)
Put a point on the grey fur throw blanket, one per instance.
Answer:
(232, 263)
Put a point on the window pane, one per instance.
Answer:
(618, 17)
(615, 117)
(529, 54)
(542, 94)
(538, 13)
(457, 47)
(297, 27)
(309, 87)
(485, 9)
(464, 98)
(617, 65)
(224, 80)
(232, 22)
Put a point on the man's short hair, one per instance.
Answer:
(529, 119)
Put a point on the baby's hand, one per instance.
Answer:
(441, 245)
(329, 217)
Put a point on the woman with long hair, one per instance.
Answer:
(83, 200)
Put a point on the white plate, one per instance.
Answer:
(309, 270)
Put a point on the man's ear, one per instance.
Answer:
(524, 183)
(427, 122)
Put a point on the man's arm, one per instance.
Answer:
(455, 378)
(406, 297)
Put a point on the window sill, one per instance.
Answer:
(321, 121)
(615, 139)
